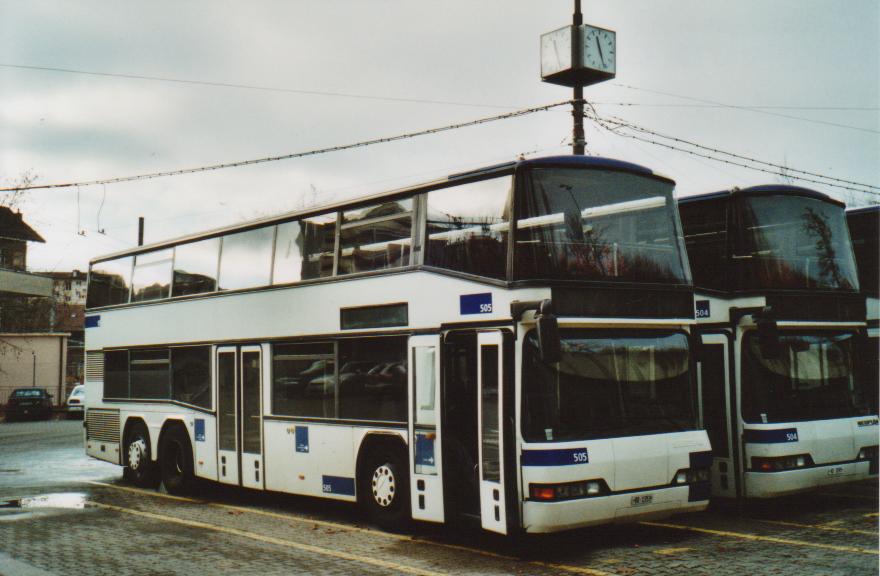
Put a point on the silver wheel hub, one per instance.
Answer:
(384, 485)
(137, 451)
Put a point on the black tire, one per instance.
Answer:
(139, 469)
(176, 461)
(383, 487)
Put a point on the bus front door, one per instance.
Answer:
(715, 401)
(239, 415)
(490, 376)
(425, 455)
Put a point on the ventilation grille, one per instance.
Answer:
(103, 425)
(94, 366)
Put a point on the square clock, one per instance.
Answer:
(578, 55)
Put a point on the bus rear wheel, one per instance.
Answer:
(176, 461)
(139, 469)
(383, 488)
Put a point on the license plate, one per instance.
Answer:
(641, 500)
(835, 471)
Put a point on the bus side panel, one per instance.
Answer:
(310, 459)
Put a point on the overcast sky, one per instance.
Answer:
(400, 66)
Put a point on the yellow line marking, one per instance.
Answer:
(672, 551)
(278, 541)
(757, 538)
(872, 515)
(819, 527)
(350, 528)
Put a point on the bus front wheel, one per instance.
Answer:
(176, 461)
(383, 487)
(139, 469)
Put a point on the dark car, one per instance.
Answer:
(29, 403)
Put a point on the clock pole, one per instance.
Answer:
(579, 141)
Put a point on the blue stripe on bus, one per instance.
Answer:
(337, 485)
(93, 321)
(562, 457)
(776, 436)
(701, 459)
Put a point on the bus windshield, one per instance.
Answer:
(607, 385)
(793, 242)
(578, 224)
(811, 379)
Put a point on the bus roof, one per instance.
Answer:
(478, 174)
(762, 190)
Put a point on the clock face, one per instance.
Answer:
(600, 49)
(556, 51)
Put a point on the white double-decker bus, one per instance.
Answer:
(509, 345)
(864, 229)
(782, 328)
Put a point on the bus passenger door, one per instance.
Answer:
(227, 407)
(251, 416)
(490, 376)
(239, 416)
(713, 376)
(425, 454)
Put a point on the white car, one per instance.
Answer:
(76, 400)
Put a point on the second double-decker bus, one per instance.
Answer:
(509, 345)
(864, 229)
(781, 322)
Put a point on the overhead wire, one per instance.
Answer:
(241, 86)
(315, 152)
(615, 128)
(746, 108)
(623, 123)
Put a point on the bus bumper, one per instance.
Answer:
(542, 517)
(772, 484)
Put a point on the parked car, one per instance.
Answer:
(29, 403)
(76, 400)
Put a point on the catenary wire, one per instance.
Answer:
(361, 144)
(619, 122)
(603, 123)
(747, 108)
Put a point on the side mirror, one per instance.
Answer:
(768, 338)
(548, 334)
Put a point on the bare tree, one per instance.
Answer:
(14, 199)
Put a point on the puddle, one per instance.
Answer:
(73, 501)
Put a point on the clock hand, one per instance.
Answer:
(599, 45)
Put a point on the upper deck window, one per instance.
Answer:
(319, 238)
(793, 242)
(468, 227)
(705, 235)
(288, 253)
(109, 282)
(246, 259)
(195, 267)
(578, 224)
(152, 276)
(376, 237)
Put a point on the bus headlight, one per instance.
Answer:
(567, 491)
(781, 463)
